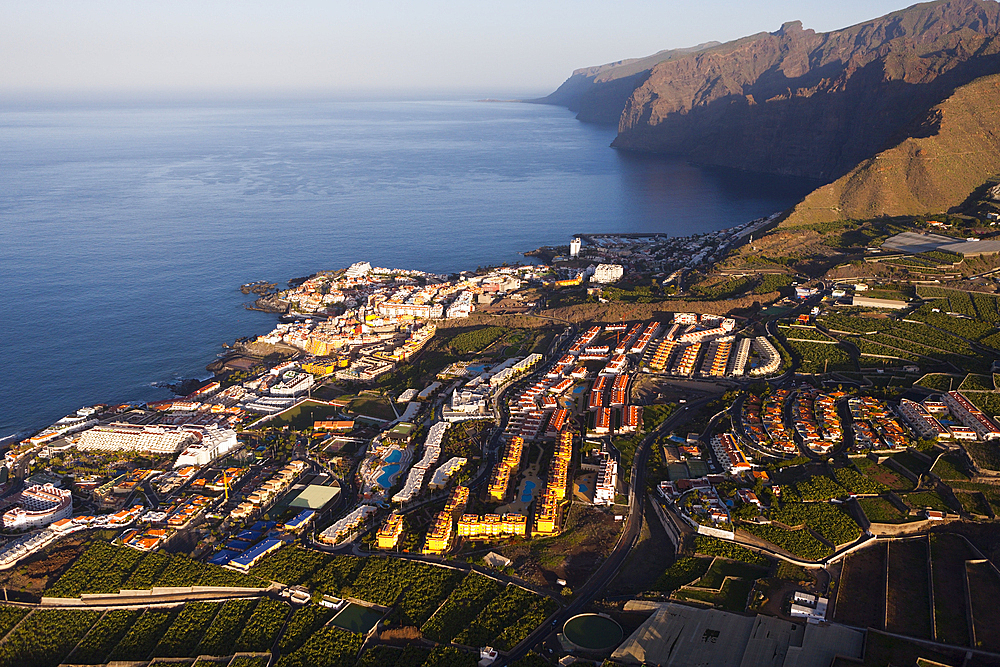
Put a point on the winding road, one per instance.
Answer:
(610, 567)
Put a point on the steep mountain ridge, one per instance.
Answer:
(951, 152)
(795, 101)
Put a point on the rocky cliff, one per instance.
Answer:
(952, 151)
(794, 101)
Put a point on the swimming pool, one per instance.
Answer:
(529, 489)
(388, 473)
(582, 486)
(579, 389)
(394, 456)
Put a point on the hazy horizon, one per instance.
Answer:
(57, 49)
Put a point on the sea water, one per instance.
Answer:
(127, 229)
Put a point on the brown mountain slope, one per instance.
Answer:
(797, 102)
(949, 155)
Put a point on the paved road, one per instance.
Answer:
(607, 571)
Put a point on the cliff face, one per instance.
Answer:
(951, 152)
(796, 102)
(598, 94)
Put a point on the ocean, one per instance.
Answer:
(126, 230)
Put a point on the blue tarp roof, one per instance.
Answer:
(223, 557)
(300, 520)
(262, 526)
(258, 550)
(249, 535)
(238, 545)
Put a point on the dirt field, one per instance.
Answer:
(589, 537)
(948, 556)
(649, 558)
(984, 585)
(34, 575)
(909, 598)
(860, 601)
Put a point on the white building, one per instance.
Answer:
(770, 360)
(574, 247)
(971, 416)
(920, 420)
(215, 442)
(39, 506)
(432, 452)
(440, 478)
(607, 481)
(161, 439)
(293, 384)
(358, 270)
(607, 273)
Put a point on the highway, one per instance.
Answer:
(609, 568)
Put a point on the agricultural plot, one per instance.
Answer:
(948, 556)
(984, 588)
(505, 619)
(426, 593)
(805, 333)
(106, 568)
(303, 622)
(828, 521)
(799, 543)
(855, 482)
(816, 488)
(221, 636)
(711, 546)
(466, 602)
(985, 455)
(732, 596)
(926, 500)
(681, 573)
(9, 617)
(883, 474)
(330, 647)
(989, 493)
(880, 510)
(104, 636)
(820, 357)
(187, 630)
(139, 641)
(726, 584)
(939, 381)
(908, 600)
(100, 569)
(860, 599)
(263, 627)
(950, 467)
(45, 637)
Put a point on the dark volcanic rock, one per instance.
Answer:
(793, 101)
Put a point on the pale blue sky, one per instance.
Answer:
(510, 48)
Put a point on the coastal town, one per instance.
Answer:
(538, 463)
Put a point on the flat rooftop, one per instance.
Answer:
(681, 636)
(315, 497)
(916, 242)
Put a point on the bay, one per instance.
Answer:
(126, 229)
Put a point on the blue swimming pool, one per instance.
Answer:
(529, 489)
(583, 487)
(388, 473)
(394, 456)
(579, 389)
(475, 369)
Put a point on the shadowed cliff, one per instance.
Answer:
(794, 101)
